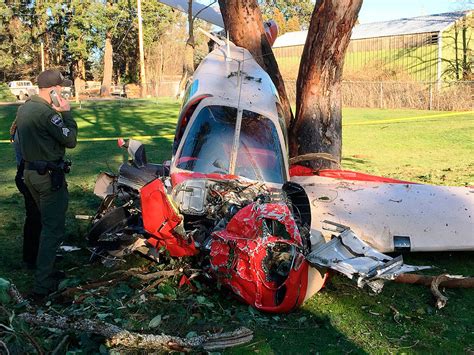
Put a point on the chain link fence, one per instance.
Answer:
(445, 96)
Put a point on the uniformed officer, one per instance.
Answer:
(45, 129)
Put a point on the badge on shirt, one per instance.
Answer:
(57, 120)
(65, 131)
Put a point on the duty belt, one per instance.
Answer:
(42, 166)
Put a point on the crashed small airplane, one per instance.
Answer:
(229, 197)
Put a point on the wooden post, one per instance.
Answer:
(140, 46)
(431, 97)
(42, 56)
(439, 68)
(381, 95)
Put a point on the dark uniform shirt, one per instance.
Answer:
(43, 132)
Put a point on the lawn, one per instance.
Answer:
(429, 147)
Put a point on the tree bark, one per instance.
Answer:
(188, 63)
(116, 336)
(465, 66)
(318, 127)
(79, 77)
(452, 282)
(108, 66)
(243, 21)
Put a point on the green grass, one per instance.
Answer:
(437, 148)
(340, 319)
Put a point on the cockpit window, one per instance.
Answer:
(208, 145)
(209, 142)
(259, 155)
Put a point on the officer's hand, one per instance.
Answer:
(63, 105)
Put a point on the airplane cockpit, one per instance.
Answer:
(218, 142)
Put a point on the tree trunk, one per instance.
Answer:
(465, 66)
(108, 66)
(456, 56)
(79, 78)
(243, 21)
(47, 48)
(188, 63)
(318, 127)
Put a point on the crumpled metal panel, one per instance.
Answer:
(352, 257)
(163, 222)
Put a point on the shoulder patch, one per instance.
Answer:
(66, 131)
(57, 120)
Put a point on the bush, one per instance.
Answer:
(5, 93)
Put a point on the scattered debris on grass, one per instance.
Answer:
(117, 337)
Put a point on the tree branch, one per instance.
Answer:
(454, 281)
(313, 156)
(116, 336)
(434, 282)
(70, 292)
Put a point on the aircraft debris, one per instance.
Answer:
(352, 257)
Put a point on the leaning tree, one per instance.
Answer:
(316, 129)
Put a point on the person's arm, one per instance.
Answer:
(63, 128)
(12, 131)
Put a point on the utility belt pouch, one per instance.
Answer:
(41, 167)
(57, 176)
(57, 179)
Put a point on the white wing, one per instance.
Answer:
(210, 14)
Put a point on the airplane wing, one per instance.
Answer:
(394, 217)
(210, 14)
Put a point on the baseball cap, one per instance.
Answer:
(52, 77)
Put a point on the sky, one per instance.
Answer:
(383, 10)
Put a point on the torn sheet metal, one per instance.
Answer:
(392, 217)
(68, 248)
(352, 257)
(104, 185)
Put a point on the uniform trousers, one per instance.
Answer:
(52, 206)
(32, 225)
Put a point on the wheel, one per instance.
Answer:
(113, 230)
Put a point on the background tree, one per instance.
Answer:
(290, 15)
(111, 19)
(17, 53)
(188, 62)
(85, 30)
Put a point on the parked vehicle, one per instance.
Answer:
(22, 89)
(118, 90)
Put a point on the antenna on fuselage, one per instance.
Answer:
(228, 48)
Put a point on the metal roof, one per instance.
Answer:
(403, 26)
